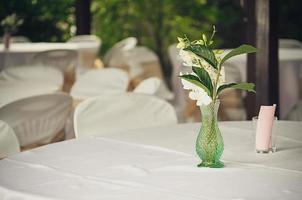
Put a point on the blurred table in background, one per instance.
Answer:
(22, 53)
(290, 70)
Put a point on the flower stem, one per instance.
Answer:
(216, 83)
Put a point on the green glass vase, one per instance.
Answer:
(209, 143)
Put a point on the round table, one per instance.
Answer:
(157, 163)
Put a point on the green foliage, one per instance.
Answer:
(43, 20)
(196, 81)
(250, 87)
(204, 52)
(243, 49)
(204, 78)
(156, 23)
(209, 62)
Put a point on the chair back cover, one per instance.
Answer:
(98, 81)
(117, 55)
(180, 100)
(33, 74)
(37, 119)
(290, 43)
(232, 73)
(12, 91)
(295, 114)
(63, 59)
(8, 141)
(118, 112)
(143, 62)
(154, 86)
(148, 86)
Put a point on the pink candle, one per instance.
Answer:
(265, 127)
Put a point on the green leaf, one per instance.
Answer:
(204, 52)
(243, 49)
(204, 78)
(195, 80)
(241, 86)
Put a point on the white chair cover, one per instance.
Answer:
(148, 86)
(98, 81)
(289, 43)
(143, 62)
(140, 55)
(117, 55)
(295, 114)
(12, 91)
(63, 59)
(180, 96)
(154, 86)
(8, 141)
(87, 56)
(105, 114)
(232, 73)
(25, 81)
(33, 74)
(37, 119)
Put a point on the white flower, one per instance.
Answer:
(189, 58)
(196, 93)
(201, 96)
(221, 80)
(181, 44)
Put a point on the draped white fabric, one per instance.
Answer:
(9, 144)
(154, 86)
(99, 81)
(37, 119)
(148, 86)
(125, 111)
(11, 91)
(23, 53)
(62, 59)
(117, 56)
(120, 168)
(25, 81)
(39, 74)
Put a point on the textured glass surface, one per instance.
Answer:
(209, 143)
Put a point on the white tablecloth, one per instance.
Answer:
(22, 53)
(290, 68)
(157, 163)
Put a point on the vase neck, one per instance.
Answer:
(210, 110)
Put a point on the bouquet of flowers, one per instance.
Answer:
(207, 80)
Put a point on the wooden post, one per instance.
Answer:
(83, 17)
(250, 20)
(262, 68)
